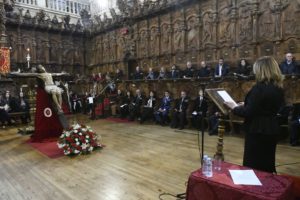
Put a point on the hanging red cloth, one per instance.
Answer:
(47, 124)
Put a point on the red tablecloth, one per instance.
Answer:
(221, 186)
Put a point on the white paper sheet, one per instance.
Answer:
(226, 97)
(244, 177)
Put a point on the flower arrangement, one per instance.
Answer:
(78, 139)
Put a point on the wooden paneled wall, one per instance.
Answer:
(200, 30)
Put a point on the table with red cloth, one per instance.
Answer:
(221, 186)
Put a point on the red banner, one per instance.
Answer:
(4, 60)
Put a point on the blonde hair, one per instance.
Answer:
(267, 70)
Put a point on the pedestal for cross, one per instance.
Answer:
(48, 124)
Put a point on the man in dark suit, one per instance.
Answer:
(119, 75)
(23, 106)
(135, 106)
(161, 115)
(174, 73)
(179, 115)
(151, 74)
(289, 66)
(204, 70)
(138, 74)
(199, 111)
(221, 69)
(189, 71)
(148, 110)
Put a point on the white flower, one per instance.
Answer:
(67, 152)
(67, 134)
(76, 139)
(84, 130)
(80, 133)
(76, 151)
(77, 126)
(60, 145)
(75, 131)
(62, 136)
(87, 141)
(77, 143)
(91, 148)
(83, 146)
(87, 136)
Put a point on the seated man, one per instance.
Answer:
(289, 66)
(221, 69)
(189, 71)
(148, 110)
(135, 106)
(161, 115)
(11, 102)
(162, 73)
(138, 74)
(179, 115)
(4, 117)
(151, 74)
(23, 106)
(204, 70)
(115, 101)
(199, 111)
(174, 73)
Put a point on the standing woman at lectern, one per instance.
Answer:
(261, 106)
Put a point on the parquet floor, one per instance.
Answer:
(138, 163)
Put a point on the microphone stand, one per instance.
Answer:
(203, 85)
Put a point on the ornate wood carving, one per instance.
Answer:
(159, 33)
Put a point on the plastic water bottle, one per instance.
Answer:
(204, 165)
(209, 172)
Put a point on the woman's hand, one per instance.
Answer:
(229, 104)
(241, 103)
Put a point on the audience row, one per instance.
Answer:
(288, 66)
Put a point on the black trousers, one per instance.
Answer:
(178, 120)
(294, 128)
(147, 114)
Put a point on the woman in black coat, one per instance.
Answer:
(261, 106)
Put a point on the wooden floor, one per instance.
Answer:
(138, 163)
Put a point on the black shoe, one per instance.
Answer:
(294, 144)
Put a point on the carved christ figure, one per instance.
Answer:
(50, 87)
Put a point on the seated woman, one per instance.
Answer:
(244, 68)
(124, 107)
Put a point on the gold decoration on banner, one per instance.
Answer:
(4, 60)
